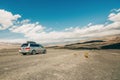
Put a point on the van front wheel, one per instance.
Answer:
(33, 52)
(44, 52)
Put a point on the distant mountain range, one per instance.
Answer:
(107, 42)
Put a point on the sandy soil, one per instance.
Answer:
(60, 64)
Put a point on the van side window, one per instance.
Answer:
(37, 45)
(34, 45)
(41, 46)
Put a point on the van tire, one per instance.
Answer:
(44, 52)
(24, 54)
(33, 52)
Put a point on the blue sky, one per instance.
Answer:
(62, 13)
(57, 15)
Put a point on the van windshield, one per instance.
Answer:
(24, 45)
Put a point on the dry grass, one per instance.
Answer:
(86, 54)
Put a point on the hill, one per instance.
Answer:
(107, 42)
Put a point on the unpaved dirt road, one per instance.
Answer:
(60, 64)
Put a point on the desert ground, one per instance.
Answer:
(60, 64)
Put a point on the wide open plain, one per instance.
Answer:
(60, 64)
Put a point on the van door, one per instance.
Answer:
(41, 49)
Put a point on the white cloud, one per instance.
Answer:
(115, 10)
(114, 17)
(39, 33)
(89, 24)
(112, 26)
(111, 15)
(24, 21)
(7, 19)
(27, 28)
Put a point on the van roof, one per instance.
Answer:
(31, 42)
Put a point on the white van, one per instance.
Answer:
(31, 48)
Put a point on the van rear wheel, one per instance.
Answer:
(44, 52)
(24, 53)
(33, 52)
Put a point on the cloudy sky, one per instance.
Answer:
(50, 21)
